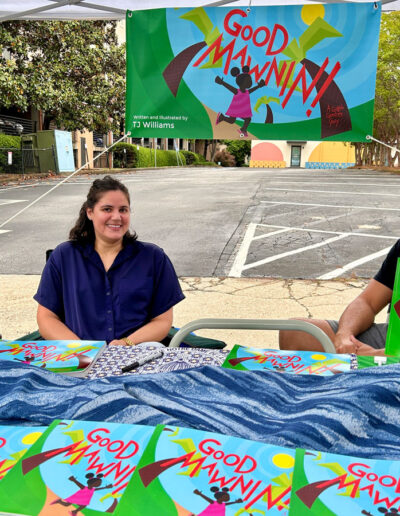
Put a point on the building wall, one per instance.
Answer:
(277, 154)
(82, 142)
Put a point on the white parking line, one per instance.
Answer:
(240, 259)
(239, 263)
(264, 235)
(10, 201)
(288, 213)
(391, 237)
(329, 219)
(332, 192)
(4, 231)
(341, 270)
(323, 183)
(295, 251)
(330, 205)
(361, 177)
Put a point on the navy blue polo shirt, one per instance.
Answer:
(98, 305)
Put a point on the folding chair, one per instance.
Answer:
(254, 324)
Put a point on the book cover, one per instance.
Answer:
(14, 443)
(295, 362)
(364, 361)
(326, 484)
(186, 472)
(392, 346)
(72, 357)
(74, 468)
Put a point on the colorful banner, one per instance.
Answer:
(298, 72)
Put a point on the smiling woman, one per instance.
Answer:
(103, 284)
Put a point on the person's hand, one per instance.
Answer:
(218, 80)
(364, 349)
(118, 342)
(347, 344)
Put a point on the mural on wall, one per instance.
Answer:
(277, 72)
(266, 154)
(331, 155)
(315, 155)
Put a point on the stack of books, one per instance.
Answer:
(70, 357)
(92, 468)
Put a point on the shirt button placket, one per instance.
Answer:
(109, 312)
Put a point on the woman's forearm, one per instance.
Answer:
(155, 330)
(56, 330)
(52, 328)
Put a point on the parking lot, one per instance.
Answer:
(286, 223)
(320, 225)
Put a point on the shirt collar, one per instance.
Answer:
(129, 250)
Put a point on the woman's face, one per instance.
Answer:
(110, 216)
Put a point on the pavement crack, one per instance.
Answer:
(289, 285)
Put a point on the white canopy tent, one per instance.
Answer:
(116, 9)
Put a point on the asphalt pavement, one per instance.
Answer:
(237, 222)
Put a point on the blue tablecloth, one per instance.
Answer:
(356, 413)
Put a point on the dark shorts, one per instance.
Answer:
(375, 336)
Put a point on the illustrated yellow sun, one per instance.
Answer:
(283, 460)
(318, 357)
(310, 12)
(31, 438)
(74, 344)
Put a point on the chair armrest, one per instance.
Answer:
(254, 324)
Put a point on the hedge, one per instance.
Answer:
(9, 143)
(127, 155)
(190, 156)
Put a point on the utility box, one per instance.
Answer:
(47, 150)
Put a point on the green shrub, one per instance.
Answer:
(146, 158)
(190, 156)
(240, 149)
(127, 155)
(10, 143)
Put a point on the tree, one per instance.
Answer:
(73, 71)
(240, 149)
(387, 97)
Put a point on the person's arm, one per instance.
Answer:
(359, 316)
(260, 84)
(51, 327)
(232, 89)
(155, 330)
